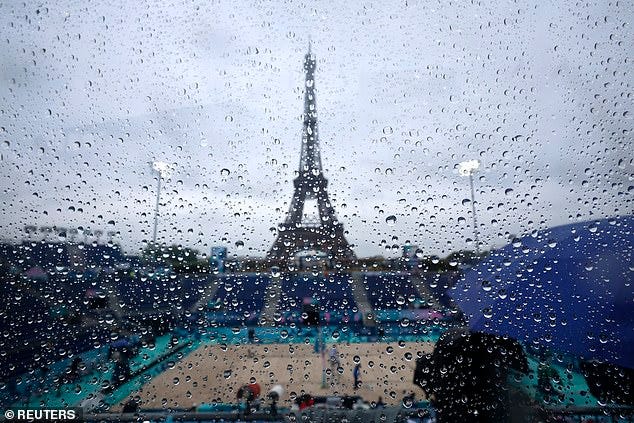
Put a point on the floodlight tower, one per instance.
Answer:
(163, 170)
(468, 168)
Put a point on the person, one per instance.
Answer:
(409, 399)
(249, 393)
(355, 374)
(70, 375)
(12, 390)
(306, 401)
(122, 371)
(251, 336)
(349, 402)
(334, 363)
(334, 357)
(274, 396)
(42, 379)
(466, 376)
(132, 406)
(74, 370)
(545, 376)
(380, 403)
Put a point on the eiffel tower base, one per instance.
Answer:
(329, 240)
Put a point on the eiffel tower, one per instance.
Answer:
(301, 232)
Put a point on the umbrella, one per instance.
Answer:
(249, 392)
(567, 288)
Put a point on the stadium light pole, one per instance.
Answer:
(468, 168)
(163, 170)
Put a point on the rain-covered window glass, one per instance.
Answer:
(317, 211)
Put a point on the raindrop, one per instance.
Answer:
(408, 401)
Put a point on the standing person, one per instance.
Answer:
(74, 370)
(546, 373)
(318, 342)
(333, 359)
(122, 371)
(380, 403)
(42, 380)
(355, 374)
(251, 336)
(70, 375)
(306, 401)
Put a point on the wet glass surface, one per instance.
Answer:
(379, 209)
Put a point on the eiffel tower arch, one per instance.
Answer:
(322, 231)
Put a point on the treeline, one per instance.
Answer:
(186, 260)
(175, 257)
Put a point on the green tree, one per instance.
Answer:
(178, 258)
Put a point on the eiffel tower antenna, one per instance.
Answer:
(324, 234)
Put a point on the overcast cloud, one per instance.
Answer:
(92, 92)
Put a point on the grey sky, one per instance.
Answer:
(92, 92)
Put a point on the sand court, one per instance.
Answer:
(214, 373)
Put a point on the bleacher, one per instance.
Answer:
(390, 291)
(189, 288)
(140, 293)
(333, 293)
(45, 340)
(103, 255)
(69, 289)
(48, 290)
(10, 256)
(439, 283)
(46, 255)
(239, 298)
